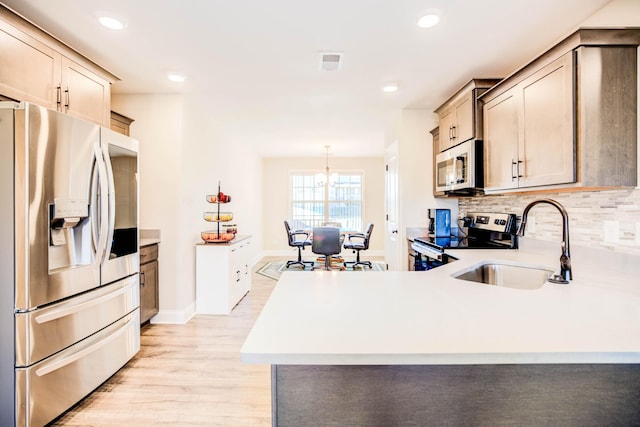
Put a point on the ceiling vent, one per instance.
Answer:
(330, 61)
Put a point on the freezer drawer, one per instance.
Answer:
(48, 388)
(43, 332)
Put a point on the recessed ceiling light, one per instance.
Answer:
(177, 78)
(111, 22)
(429, 20)
(389, 88)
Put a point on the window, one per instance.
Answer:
(315, 202)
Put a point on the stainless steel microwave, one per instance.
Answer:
(459, 170)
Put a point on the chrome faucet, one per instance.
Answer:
(565, 259)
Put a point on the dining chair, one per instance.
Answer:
(296, 241)
(326, 241)
(359, 242)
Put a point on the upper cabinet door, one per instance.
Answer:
(464, 124)
(460, 117)
(547, 146)
(447, 122)
(85, 94)
(29, 70)
(501, 134)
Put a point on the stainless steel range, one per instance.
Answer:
(483, 231)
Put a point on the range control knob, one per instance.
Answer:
(496, 221)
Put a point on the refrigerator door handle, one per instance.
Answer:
(75, 308)
(99, 205)
(110, 208)
(93, 205)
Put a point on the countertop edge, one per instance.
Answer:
(442, 359)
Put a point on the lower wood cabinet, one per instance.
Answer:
(149, 301)
(223, 275)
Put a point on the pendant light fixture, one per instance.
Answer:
(327, 176)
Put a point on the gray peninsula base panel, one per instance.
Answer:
(485, 395)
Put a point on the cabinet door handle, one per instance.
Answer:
(142, 278)
(513, 174)
(59, 96)
(520, 162)
(453, 132)
(66, 105)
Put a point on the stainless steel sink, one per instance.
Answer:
(506, 275)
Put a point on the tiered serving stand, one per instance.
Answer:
(218, 236)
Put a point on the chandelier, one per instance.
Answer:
(326, 177)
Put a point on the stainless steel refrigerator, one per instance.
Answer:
(69, 261)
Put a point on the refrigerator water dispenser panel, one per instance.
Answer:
(67, 213)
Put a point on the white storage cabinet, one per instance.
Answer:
(223, 275)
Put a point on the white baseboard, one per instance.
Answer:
(178, 317)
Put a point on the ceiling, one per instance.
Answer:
(255, 63)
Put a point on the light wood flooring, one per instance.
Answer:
(187, 375)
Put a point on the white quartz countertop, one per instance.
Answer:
(380, 318)
(149, 241)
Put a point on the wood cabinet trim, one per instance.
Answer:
(121, 118)
(484, 84)
(581, 37)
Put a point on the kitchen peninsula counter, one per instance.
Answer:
(428, 330)
(432, 318)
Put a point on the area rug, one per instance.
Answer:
(274, 269)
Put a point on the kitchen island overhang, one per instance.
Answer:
(438, 348)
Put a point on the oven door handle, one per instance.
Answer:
(425, 250)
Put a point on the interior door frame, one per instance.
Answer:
(393, 243)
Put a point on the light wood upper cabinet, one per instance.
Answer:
(568, 119)
(84, 93)
(37, 68)
(501, 141)
(460, 118)
(546, 145)
(29, 69)
(529, 138)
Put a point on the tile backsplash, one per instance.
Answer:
(599, 219)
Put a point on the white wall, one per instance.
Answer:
(276, 203)
(618, 13)
(183, 156)
(160, 166)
